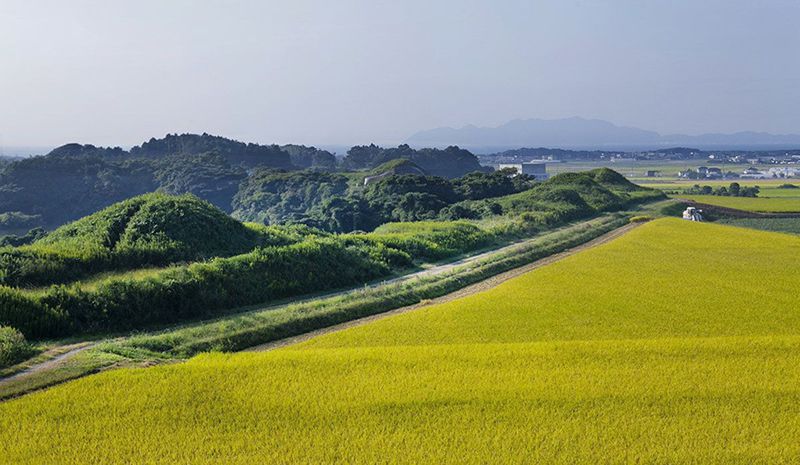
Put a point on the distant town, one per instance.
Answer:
(771, 164)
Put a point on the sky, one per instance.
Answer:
(112, 72)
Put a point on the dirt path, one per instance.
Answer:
(64, 353)
(481, 286)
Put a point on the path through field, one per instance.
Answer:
(64, 354)
(60, 355)
(484, 285)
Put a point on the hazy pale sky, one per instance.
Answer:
(350, 71)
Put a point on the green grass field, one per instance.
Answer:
(754, 204)
(771, 197)
(635, 169)
(678, 343)
(787, 225)
(768, 187)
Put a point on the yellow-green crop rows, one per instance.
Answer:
(677, 343)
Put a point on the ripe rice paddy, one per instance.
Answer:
(677, 343)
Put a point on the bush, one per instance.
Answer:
(431, 239)
(13, 347)
(200, 289)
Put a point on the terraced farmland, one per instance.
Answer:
(677, 343)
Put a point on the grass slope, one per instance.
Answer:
(156, 221)
(151, 229)
(677, 343)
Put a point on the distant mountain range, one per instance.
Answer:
(581, 133)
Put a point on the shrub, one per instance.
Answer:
(200, 289)
(13, 347)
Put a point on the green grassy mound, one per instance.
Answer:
(568, 196)
(183, 226)
(152, 229)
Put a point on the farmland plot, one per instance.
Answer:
(677, 343)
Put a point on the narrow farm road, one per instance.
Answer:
(481, 286)
(63, 353)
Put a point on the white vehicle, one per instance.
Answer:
(692, 214)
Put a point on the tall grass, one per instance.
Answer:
(262, 326)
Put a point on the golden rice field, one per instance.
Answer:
(678, 343)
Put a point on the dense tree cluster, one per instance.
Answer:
(58, 189)
(236, 153)
(16, 240)
(310, 157)
(273, 197)
(733, 190)
(207, 175)
(327, 201)
(75, 180)
(451, 162)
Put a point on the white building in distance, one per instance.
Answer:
(537, 170)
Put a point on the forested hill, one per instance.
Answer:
(451, 162)
(240, 154)
(75, 180)
(234, 152)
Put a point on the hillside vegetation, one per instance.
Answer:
(231, 264)
(451, 162)
(655, 357)
(152, 229)
(75, 180)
